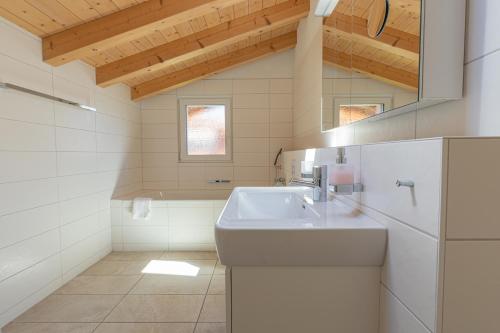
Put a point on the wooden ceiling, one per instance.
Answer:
(392, 57)
(157, 45)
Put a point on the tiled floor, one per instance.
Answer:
(115, 296)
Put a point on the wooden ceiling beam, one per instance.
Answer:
(392, 40)
(213, 66)
(92, 37)
(202, 42)
(375, 69)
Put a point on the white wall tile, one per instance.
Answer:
(19, 166)
(154, 116)
(410, 269)
(418, 161)
(26, 283)
(244, 130)
(74, 209)
(24, 75)
(20, 256)
(481, 96)
(255, 86)
(250, 116)
(21, 136)
(71, 163)
(71, 91)
(281, 101)
(396, 318)
(26, 224)
(76, 231)
(73, 117)
(151, 234)
(75, 140)
(159, 131)
(159, 145)
(251, 101)
(25, 195)
(21, 106)
(280, 86)
(482, 36)
(160, 101)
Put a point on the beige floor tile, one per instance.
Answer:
(217, 285)
(185, 255)
(157, 308)
(214, 309)
(206, 266)
(133, 256)
(210, 328)
(49, 328)
(171, 284)
(71, 309)
(99, 285)
(106, 267)
(220, 269)
(145, 328)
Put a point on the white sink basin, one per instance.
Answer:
(282, 226)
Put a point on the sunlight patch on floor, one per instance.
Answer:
(168, 267)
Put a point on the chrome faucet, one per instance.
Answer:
(319, 183)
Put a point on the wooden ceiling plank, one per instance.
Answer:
(30, 14)
(90, 37)
(21, 22)
(371, 68)
(80, 8)
(202, 70)
(202, 42)
(55, 11)
(103, 7)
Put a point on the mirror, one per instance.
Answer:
(364, 76)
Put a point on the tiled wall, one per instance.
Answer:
(262, 124)
(59, 166)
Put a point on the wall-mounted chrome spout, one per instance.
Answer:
(405, 183)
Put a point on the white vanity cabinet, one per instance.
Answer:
(442, 267)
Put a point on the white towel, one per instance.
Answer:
(141, 208)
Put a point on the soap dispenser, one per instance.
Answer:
(341, 173)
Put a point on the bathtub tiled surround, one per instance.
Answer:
(262, 124)
(59, 166)
(440, 274)
(117, 295)
(174, 225)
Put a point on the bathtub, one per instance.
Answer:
(179, 221)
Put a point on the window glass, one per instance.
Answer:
(206, 129)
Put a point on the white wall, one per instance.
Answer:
(59, 166)
(261, 96)
(308, 68)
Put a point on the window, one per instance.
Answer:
(347, 110)
(205, 127)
